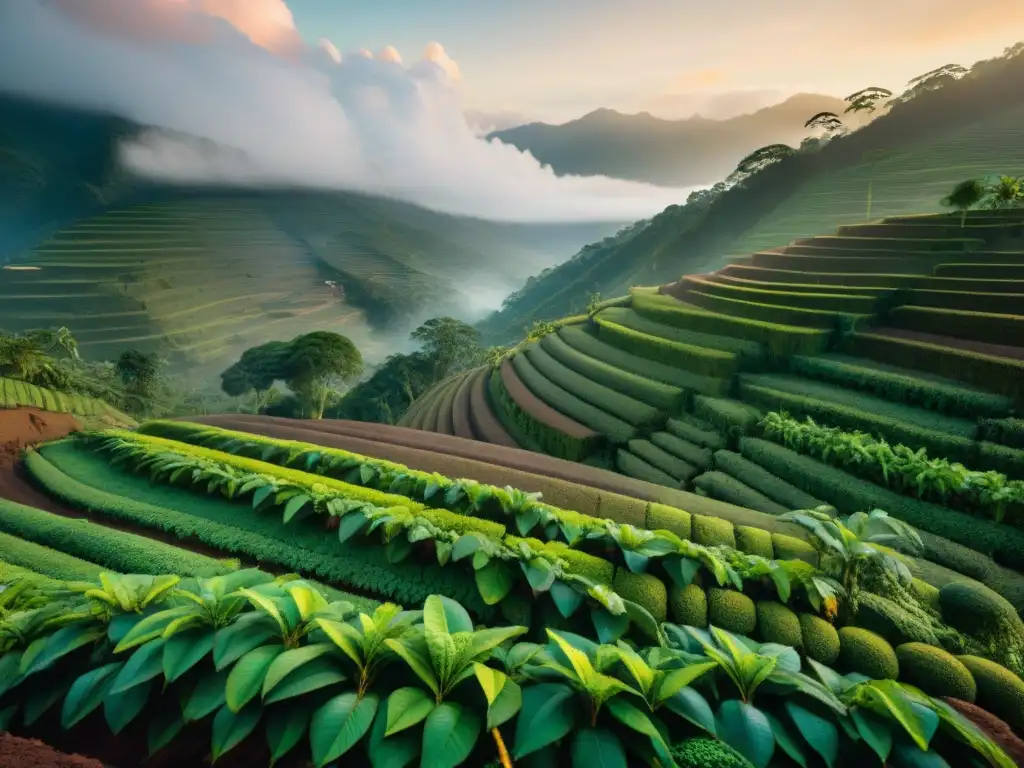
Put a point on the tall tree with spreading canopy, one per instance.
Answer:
(451, 343)
(256, 371)
(829, 122)
(318, 366)
(139, 373)
(965, 196)
(937, 78)
(761, 158)
(867, 99)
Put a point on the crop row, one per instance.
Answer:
(387, 687)
(14, 393)
(961, 324)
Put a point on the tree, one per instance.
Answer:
(1005, 192)
(965, 196)
(1014, 50)
(932, 81)
(140, 376)
(873, 158)
(256, 371)
(317, 365)
(761, 158)
(451, 343)
(829, 122)
(866, 100)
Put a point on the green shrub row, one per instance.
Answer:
(939, 435)
(697, 431)
(841, 265)
(731, 417)
(36, 558)
(719, 485)
(976, 326)
(968, 301)
(623, 407)
(749, 352)
(783, 315)
(708, 363)
(783, 494)
(995, 374)
(695, 455)
(654, 393)
(978, 271)
(631, 465)
(107, 547)
(767, 294)
(849, 494)
(681, 471)
(569, 405)
(622, 361)
(796, 279)
(85, 480)
(524, 430)
(780, 340)
(1008, 432)
(901, 386)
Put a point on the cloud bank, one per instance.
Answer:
(236, 73)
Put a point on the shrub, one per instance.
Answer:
(687, 427)
(761, 480)
(644, 589)
(663, 460)
(664, 517)
(732, 611)
(712, 363)
(702, 752)
(729, 416)
(979, 326)
(689, 606)
(721, 486)
(695, 455)
(18, 553)
(861, 650)
(629, 464)
(778, 624)
(926, 594)
(820, 640)
(970, 606)
(999, 690)
(751, 353)
(754, 541)
(713, 531)
(792, 548)
(1008, 431)
(935, 672)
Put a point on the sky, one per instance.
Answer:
(558, 59)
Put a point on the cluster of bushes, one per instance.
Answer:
(148, 656)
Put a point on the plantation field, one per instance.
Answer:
(552, 553)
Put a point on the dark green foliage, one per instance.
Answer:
(723, 487)
(973, 607)
(658, 324)
(257, 369)
(708, 363)
(139, 373)
(898, 623)
(900, 385)
(732, 611)
(388, 394)
(1002, 458)
(778, 624)
(1008, 431)
(657, 457)
(703, 752)
(729, 416)
(643, 588)
(451, 344)
(629, 464)
(863, 651)
(820, 640)
(527, 432)
(692, 454)
(713, 531)
(779, 491)
(978, 326)
(317, 364)
(17, 551)
(935, 671)
(999, 690)
(694, 430)
(688, 606)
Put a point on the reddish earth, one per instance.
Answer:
(485, 423)
(993, 727)
(531, 404)
(461, 422)
(20, 428)
(979, 347)
(16, 752)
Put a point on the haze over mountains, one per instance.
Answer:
(696, 151)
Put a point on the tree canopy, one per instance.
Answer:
(451, 343)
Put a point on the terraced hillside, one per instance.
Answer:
(363, 514)
(880, 367)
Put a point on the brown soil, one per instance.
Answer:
(485, 423)
(979, 347)
(993, 727)
(462, 424)
(531, 404)
(16, 752)
(20, 428)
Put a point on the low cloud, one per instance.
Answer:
(234, 73)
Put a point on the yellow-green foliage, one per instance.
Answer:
(792, 548)
(820, 639)
(461, 524)
(689, 606)
(664, 517)
(732, 611)
(999, 690)
(935, 671)
(926, 594)
(970, 607)
(582, 564)
(713, 531)
(644, 589)
(778, 624)
(754, 541)
(622, 509)
(861, 650)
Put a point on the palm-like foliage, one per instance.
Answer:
(761, 158)
(867, 99)
(1005, 192)
(965, 196)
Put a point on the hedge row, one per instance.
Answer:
(570, 406)
(995, 374)
(730, 417)
(654, 393)
(462, 424)
(15, 393)
(85, 480)
(1009, 432)
(783, 494)
(981, 271)
(681, 471)
(902, 386)
(749, 352)
(107, 547)
(752, 309)
(719, 485)
(968, 301)
(620, 360)
(524, 430)
(945, 436)
(623, 407)
(840, 264)
(695, 455)
(696, 431)
(829, 302)
(708, 363)
(631, 465)
(45, 561)
(849, 494)
(794, 278)
(976, 326)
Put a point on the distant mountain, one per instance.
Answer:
(488, 122)
(642, 147)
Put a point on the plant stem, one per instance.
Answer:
(503, 756)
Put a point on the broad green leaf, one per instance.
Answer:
(577, 658)
(608, 626)
(494, 581)
(822, 735)
(145, 664)
(681, 570)
(407, 707)
(637, 667)
(395, 752)
(875, 731)
(248, 674)
(287, 662)
(484, 640)
(40, 698)
(677, 679)
(690, 705)
(444, 551)
(351, 525)
(597, 748)
(87, 693)
(907, 755)
(548, 714)
(419, 663)
(285, 728)
(230, 728)
(249, 631)
(449, 735)
(506, 706)
(121, 708)
(747, 730)
(466, 545)
(636, 719)
(345, 636)
(209, 694)
(165, 724)
(261, 495)
(539, 573)
(456, 616)
(309, 677)
(788, 739)
(491, 681)
(339, 724)
(567, 600)
(184, 650)
(307, 599)
(888, 698)
(62, 642)
(10, 663)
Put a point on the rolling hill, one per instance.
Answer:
(968, 128)
(200, 273)
(678, 153)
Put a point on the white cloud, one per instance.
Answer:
(331, 50)
(228, 71)
(389, 53)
